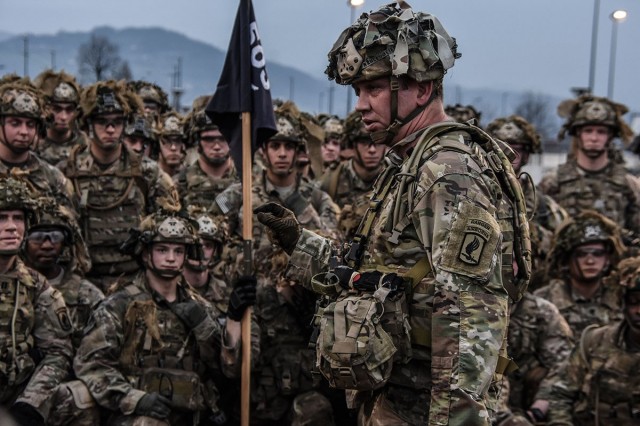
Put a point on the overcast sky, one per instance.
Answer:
(541, 45)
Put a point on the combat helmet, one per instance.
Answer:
(393, 41)
(55, 215)
(288, 124)
(163, 226)
(628, 274)
(197, 120)
(593, 110)
(463, 113)
(213, 228)
(588, 227)
(332, 125)
(16, 195)
(141, 125)
(353, 130)
(515, 130)
(58, 87)
(150, 92)
(109, 97)
(22, 99)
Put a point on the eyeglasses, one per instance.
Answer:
(583, 253)
(40, 236)
(213, 139)
(113, 122)
(171, 141)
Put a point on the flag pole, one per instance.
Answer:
(247, 236)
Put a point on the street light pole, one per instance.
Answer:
(616, 17)
(352, 5)
(594, 44)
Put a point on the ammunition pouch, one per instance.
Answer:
(182, 387)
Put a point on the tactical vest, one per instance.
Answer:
(159, 352)
(198, 189)
(17, 319)
(110, 204)
(608, 192)
(612, 383)
(412, 341)
(56, 152)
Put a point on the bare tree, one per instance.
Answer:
(534, 107)
(123, 72)
(98, 58)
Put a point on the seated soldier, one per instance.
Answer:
(153, 348)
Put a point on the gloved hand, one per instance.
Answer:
(190, 312)
(25, 415)
(242, 296)
(282, 224)
(153, 405)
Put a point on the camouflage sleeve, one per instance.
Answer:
(161, 189)
(231, 355)
(553, 346)
(228, 204)
(566, 390)
(327, 209)
(52, 331)
(97, 359)
(180, 182)
(470, 317)
(208, 334)
(548, 184)
(310, 256)
(63, 191)
(633, 213)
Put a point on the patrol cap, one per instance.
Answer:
(515, 130)
(393, 40)
(594, 110)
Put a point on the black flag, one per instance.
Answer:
(243, 87)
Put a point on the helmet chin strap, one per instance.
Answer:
(387, 135)
(164, 273)
(6, 143)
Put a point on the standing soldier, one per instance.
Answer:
(283, 389)
(547, 215)
(199, 183)
(115, 187)
(600, 384)
(586, 249)
(331, 147)
(592, 178)
(140, 135)
(463, 113)
(171, 149)
(21, 119)
(35, 347)
(62, 97)
(432, 262)
(153, 347)
(155, 100)
(349, 184)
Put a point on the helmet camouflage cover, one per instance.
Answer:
(332, 126)
(21, 100)
(392, 40)
(628, 275)
(16, 195)
(588, 227)
(197, 120)
(354, 130)
(58, 87)
(593, 110)
(108, 97)
(141, 125)
(288, 124)
(150, 92)
(463, 113)
(210, 227)
(515, 130)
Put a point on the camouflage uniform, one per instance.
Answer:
(56, 153)
(35, 347)
(138, 343)
(113, 199)
(600, 383)
(282, 379)
(197, 188)
(463, 113)
(611, 191)
(539, 341)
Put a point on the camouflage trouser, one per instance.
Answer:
(73, 406)
(396, 406)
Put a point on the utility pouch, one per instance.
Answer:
(180, 386)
